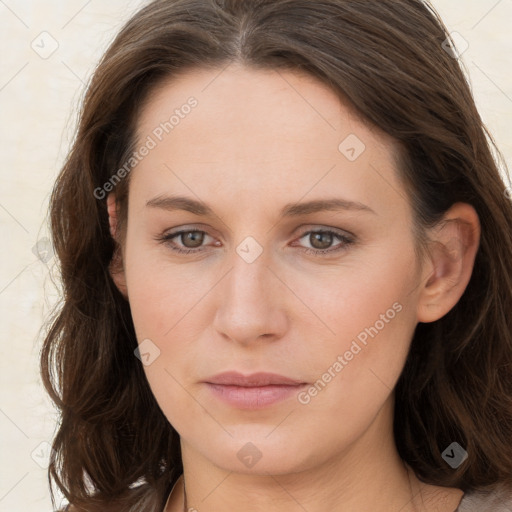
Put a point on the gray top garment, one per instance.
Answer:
(478, 501)
(481, 501)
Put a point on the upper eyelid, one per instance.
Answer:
(304, 229)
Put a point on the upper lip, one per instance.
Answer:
(253, 380)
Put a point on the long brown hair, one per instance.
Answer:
(388, 59)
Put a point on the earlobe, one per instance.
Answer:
(454, 244)
(116, 266)
(117, 273)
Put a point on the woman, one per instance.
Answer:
(286, 260)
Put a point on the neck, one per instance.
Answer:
(369, 475)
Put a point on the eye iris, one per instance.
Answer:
(320, 240)
(196, 237)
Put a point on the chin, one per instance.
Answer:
(258, 453)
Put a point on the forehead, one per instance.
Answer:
(253, 132)
(258, 100)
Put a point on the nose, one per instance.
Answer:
(251, 302)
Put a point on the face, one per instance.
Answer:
(267, 232)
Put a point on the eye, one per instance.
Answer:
(321, 241)
(191, 240)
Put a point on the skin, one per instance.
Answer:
(258, 140)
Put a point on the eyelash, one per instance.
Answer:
(346, 242)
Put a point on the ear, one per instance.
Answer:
(116, 267)
(455, 242)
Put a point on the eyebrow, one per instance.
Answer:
(171, 203)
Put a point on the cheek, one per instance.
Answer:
(367, 318)
(353, 375)
(161, 295)
(165, 311)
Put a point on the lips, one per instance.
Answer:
(253, 380)
(255, 391)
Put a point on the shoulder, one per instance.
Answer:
(498, 499)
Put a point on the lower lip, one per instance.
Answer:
(254, 397)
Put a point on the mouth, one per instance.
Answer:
(254, 391)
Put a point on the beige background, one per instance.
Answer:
(38, 98)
